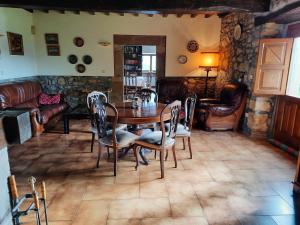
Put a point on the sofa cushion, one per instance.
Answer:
(32, 104)
(49, 111)
(14, 94)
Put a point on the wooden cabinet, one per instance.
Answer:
(273, 66)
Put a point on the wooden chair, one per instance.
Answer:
(91, 99)
(159, 140)
(184, 130)
(110, 138)
(147, 95)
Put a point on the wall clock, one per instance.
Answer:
(182, 59)
(192, 46)
(237, 32)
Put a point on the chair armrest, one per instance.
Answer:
(209, 101)
(221, 110)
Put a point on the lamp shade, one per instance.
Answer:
(209, 59)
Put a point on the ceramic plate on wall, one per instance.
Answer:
(192, 46)
(237, 32)
(87, 59)
(72, 59)
(78, 41)
(182, 59)
(80, 68)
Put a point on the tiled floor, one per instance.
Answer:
(231, 180)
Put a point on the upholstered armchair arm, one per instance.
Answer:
(221, 110)
(209, 101)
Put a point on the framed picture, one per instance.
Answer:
(53, 50)
(15, 43)
(51, 39)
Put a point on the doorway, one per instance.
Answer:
(121, 42)
(139, 69)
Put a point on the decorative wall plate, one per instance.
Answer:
(72, 59)
(80, 68)
(237, 32)
(78, 41)
(182, 59)
(87, 59)
(192, 46)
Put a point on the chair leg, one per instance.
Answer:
(108, 154)
(99, 154)
(115, 161)
(167, 154)
(135, 152)
(174, 155)
(93, 140)
(183, 143)
(190, 147)
(162, 163)
(154, 154)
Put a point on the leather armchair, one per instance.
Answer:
(224, 113)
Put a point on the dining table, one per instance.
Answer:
(146, 113)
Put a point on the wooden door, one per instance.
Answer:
(272, 66)
(287, 121)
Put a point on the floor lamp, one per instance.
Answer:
(209, 60)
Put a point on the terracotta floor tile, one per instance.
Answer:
(175, 221)
(153, 189)
(231, 180)
(92, 213)
(124, 222)
(139, 208)
(111, 191)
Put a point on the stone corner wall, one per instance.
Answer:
(238, 63)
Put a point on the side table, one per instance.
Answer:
(17, 126)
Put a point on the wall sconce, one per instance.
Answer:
(104, 43)
(208, 61)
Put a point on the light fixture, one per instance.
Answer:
(208, 61)
(104, 43)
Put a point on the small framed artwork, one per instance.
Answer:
(15, 43)
(53, 50)
(51, 39)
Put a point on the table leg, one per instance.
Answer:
(66, 125)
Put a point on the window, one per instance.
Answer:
(149, 63)
(293, 88)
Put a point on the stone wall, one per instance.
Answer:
(238, 63)
(75, 88)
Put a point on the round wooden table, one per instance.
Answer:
(147, 113)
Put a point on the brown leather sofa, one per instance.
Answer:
(24, 95)
(224, 113)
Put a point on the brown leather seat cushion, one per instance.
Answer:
(49, 111)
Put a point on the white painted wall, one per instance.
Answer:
(99, 27)
(15, 66)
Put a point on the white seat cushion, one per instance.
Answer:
(155, 138)
(119, 126)
(181, 130)
(124, 138)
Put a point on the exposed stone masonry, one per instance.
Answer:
(238, 63)
(75, 88)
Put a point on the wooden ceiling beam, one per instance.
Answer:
(91, 12)
(179, 15)
(273, 16)
(29, 10)
(207, 15)
(141, 5)
(194, 15)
